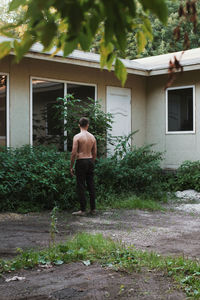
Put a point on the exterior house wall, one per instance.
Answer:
(177, 147)
(19, 100)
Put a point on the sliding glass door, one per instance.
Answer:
(47, 124)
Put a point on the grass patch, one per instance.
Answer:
(129, 202)
(90, 248)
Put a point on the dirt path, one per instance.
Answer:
(173, 233)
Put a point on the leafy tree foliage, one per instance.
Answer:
(69, 25)
(162, 40)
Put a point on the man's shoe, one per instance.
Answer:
(93, 212)
(79, 213)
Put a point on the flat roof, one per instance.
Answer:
(147, 66)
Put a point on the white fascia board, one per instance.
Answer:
(162, 71)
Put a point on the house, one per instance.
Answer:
(169, 119)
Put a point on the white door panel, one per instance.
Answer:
(119, 105)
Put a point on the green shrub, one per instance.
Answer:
(188, 176)
(35, 178)
(138, 170)
(71, 110)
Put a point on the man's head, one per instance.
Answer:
(84, 122)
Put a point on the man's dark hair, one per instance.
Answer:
(83, 122)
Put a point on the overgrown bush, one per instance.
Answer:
(35, 178)
(188, 176)
(138, 170)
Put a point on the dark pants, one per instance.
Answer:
(85, 175)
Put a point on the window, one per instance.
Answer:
(180, 109)
(44, 98)
(3, 127)
(82, 92)
(54, 126)
(47, 127)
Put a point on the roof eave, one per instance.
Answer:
(163, 71)
(79, 62)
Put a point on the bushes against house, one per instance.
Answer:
(188, 176)
(39, 177)
(130, 169)
(35, 178)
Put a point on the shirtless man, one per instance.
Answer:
(84, 150)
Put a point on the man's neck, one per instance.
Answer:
(83, 129)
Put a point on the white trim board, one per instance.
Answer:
(7, 109)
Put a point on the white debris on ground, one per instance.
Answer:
(15, 278)
(189, 196)
(193, 208)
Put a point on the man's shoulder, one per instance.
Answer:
(91, 135)
(77, 136)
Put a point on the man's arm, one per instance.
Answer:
(94, 150)
(73, 154)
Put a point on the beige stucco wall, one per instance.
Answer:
(20, 74)
(179, 147)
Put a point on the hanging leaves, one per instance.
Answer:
(187, 13)
(120, 71)
(5, 49)
(71, 24)
(174, 66)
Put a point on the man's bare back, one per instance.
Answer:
(86, 144)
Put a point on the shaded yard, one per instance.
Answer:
(168, 233)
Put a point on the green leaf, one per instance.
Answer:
(23, 47)
(48, 31)
(158, 7)
(110, 59)
(147, 29)
(105, 51)
(141, 41)
(120, 71)
(69, 46)
(14, 4)
(5, 48)
(85, 41)
(108, 31)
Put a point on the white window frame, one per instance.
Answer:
(194, 110)
(7, 137)
(65, 82)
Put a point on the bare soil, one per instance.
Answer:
(168, 233)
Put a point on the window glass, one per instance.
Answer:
(48, 126)
(180, 109)
(2, 110)
(45, 124)
(54, 126)
(82, 92)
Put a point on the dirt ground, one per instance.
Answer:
(168, 233)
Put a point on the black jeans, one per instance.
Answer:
(85, 175)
